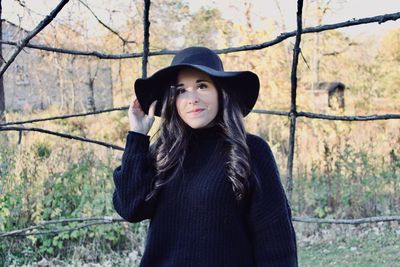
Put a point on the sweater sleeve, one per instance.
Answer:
(133, 180)
(269, 215)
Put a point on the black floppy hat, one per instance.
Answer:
(244, 85)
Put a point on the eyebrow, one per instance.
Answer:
(198, 81)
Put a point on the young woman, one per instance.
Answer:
(212, 191)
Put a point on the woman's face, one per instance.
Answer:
(197, 98)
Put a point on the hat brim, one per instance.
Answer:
(244, 84)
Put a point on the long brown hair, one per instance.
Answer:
(169, 150)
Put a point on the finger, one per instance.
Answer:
(136, 103)
(152, 108)
(131, 104)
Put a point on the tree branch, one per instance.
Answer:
(348, 118)
(31, 230)
(64, 116)
(108, 220)
(32, 34)
(293, 105)
(335, 53)
(257, 111)
(329, 117)
(347, 221)
(124, 41)
(69, 136)
(97, 54)
(146, 37)
(283, 36)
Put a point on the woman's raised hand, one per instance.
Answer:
(138, 121)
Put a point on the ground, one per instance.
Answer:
(366, 245)
(345, 245)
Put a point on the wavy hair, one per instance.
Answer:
(169, 150)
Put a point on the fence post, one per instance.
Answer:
(293, 109)
(146, 29)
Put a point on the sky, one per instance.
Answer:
(341, 10)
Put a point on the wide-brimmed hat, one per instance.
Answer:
(244, 85)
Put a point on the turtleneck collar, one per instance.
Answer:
(206, 133)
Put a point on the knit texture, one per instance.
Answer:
(195, 220)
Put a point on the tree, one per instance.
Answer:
(203, 28)
(388, 63)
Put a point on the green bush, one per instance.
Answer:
(45, 183)
(351, 184)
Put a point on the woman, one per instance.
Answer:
(212, 191)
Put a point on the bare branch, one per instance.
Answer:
(108, 220)
(280, 14)
(280, 38)
(293, 106)
(335, 53)
(326, 7)
(21, 3)
(29, 10)
(124, 41)
(257, 111)
(146, 37)
(97, 54)
(348, 118)
(329, 117)
(305, 60)
(64, 116)
(32, 229)
(321, 28)
(32, 34)
(82, 139)
(347, 221)
(269, 112)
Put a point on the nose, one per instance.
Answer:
(192, 97)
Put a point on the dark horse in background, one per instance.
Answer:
(333, 89)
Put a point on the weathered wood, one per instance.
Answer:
(146, 42)
(347, 221)
(257, 111)
(293, 108)
(64, 135)
(37, 229)
(282, 37)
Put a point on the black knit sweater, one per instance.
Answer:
(195, 220)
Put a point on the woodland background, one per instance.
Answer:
(341, 169)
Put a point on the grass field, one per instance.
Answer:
(366, 246)
(373, 245)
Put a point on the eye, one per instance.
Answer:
(202, 86)
(180, 90)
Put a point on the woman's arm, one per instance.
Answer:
(133, 180)
(269, 218)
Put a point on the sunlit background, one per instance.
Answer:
(341, 169)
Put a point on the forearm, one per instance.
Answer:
(133, 179)
(276, 244)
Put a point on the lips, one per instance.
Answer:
(197, 110)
